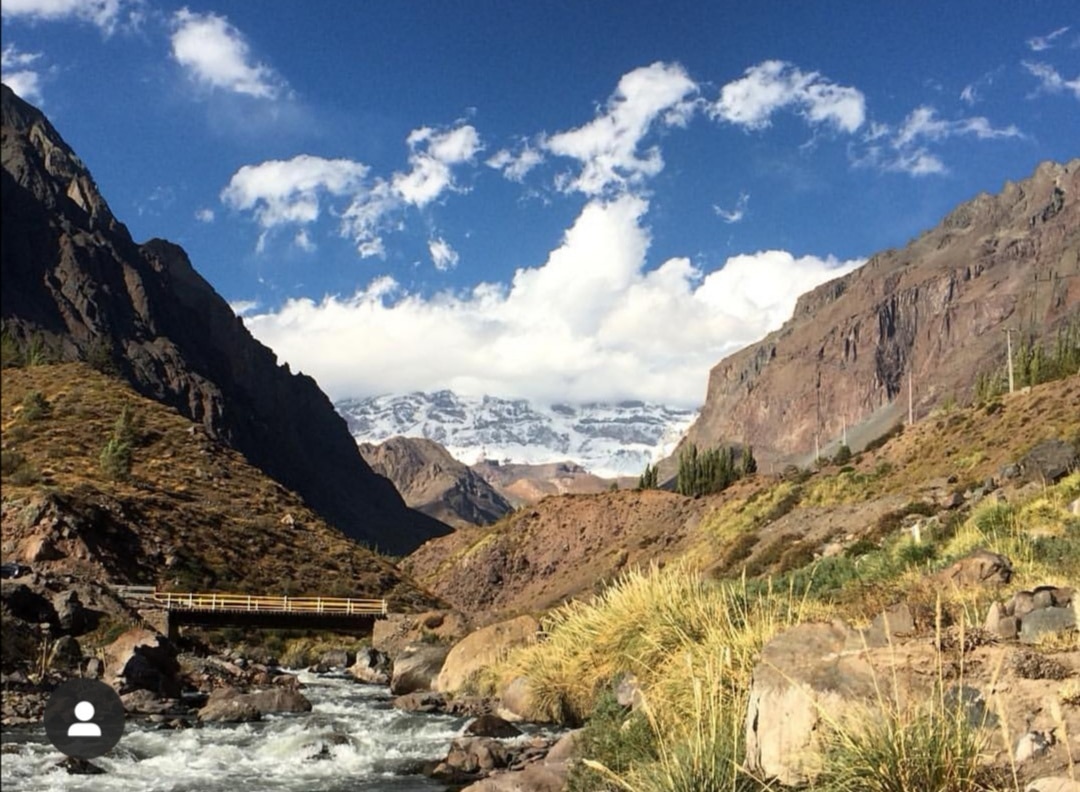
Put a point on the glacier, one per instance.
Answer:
(609, 440)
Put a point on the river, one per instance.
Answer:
(370, 745)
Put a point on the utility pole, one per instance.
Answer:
(1008, 342)
(910, 399)
(845, 430)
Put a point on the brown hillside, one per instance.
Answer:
(194, 514)
(433, 482)
(564, 546)
(935, 310)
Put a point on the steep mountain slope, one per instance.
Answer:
(934, 311)
(434, 482)
(73, 277)
(192, 514)
(606, 439)
(933, 473)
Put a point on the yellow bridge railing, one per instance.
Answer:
(249, 603)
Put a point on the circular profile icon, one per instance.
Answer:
(84, 718)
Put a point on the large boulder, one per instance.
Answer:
(141, 659)
(417, 667)
(229, 705)
(372, 667)
(28, 605)
(72, 616)
(807, 678)
(483, 648)
(980, 568)
(397, 631)
(1050, 461)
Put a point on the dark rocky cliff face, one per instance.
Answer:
(936, 309)
(72, 274)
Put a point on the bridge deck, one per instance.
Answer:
(215, 602)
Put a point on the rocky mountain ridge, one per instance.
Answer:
(933, 313)
(435, 483)
(606, 439)
(75, 282)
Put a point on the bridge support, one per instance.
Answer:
(160, 619)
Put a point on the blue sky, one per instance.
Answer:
(558, 200)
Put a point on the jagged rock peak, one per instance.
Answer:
(40, 161)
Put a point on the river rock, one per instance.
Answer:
(76, 766)
(279, 699)
(516, 701)
(141, 659)
(229, 705)
(469, 756)
(482, 648)
(66, 654)
(492, 726)
(417, 667)
(371, 667)
(143, 702)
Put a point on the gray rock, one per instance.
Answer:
(337, 658)
(628, 691)
(1032, 745)
(1050, 461)
(1044, 622)
(228, 705)
(1021, 604)
(892, 622)
(417, 668)
(66, 653)
(372, 667)
(143, 660)
(1053, 784)
(492, 726)
(72, 617)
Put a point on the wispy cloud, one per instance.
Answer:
(906, 149)
(735, 214)
(1051, 81)
(215, 53)
(15, 72)
(205, 215)
(774, 85)
(1042, 43)
(515, 166)
(443, 256)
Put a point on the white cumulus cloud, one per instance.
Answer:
(215, 53)
(280, 192)
(432, 154)
(16, 74)
(103, 13)
(590, 323)
(775, 85)
(608, 146)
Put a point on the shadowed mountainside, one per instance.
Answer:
(76, 282)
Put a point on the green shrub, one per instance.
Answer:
(614, 738)
(843, 455)
(115, 460)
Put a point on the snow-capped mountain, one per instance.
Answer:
(606, 439)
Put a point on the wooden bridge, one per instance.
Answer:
(217, 609)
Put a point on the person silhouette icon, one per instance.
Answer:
(84, 711)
